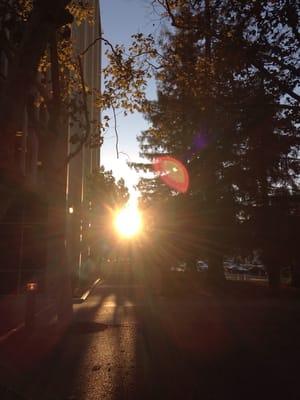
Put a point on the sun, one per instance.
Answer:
(128, 221)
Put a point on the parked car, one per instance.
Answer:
(179, 267)
(236, 269)
(231, 267)
(201, 266)
(257, 270)
(228, 266)
(243, 269)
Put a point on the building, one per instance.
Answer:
(43, 223)
(79, 223)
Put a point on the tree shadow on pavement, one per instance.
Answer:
(127, 342)
(86, 327)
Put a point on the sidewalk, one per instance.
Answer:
(13, 310)
(23, 350)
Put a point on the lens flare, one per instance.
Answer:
(172, 172)
(128, 221)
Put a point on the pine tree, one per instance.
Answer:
(228, 107)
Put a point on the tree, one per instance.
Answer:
(105, 196)
(105, 192)
(186, 119)
(267, 41)
(223, 101)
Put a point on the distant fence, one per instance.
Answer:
(238, 276)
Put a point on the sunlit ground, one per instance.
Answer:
(128, 221)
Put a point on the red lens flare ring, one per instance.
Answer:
(172, 172)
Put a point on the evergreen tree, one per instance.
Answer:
(105, 192)
(105, 196)
(228, 107)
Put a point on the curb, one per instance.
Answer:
(11, 332)
(21, 326)
(80, 300)
(76, 300)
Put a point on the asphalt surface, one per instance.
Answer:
(126, 343)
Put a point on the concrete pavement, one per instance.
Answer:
(126, 343)
(13, 309)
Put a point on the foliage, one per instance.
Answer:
(124, 77)
(228, 107)
(82, 11)
(104, 192)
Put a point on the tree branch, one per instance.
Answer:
(86, 113)
(165, 4)
(107, 42)
(291, 68)
(277, 81)
(6, 47)
(116, 130)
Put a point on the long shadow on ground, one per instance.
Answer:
(129, 343)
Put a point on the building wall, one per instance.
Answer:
(35, 226)
(79, 222)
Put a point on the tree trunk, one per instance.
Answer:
(208, 31)
(271, 259)
(295, 272)
(215, 268)
(57, 181)
(274, 277)
(191, 264)
(59, 274)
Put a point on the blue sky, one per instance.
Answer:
(120, 19)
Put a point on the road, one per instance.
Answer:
(128, 344)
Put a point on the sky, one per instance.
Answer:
(120, 19)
